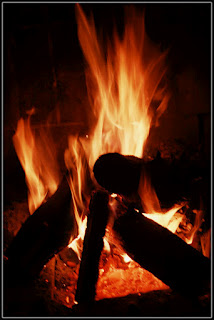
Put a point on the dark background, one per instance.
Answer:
(38, 37)
(41, 49)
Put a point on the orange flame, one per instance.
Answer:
(77, 164)
(38, 161)
(169, 219)
(206, 243)
(122, 86)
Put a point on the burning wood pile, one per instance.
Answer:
(118, 221)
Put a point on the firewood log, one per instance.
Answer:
(117, 173)
(121, 174)
(92, 247)
(163, 253)
(43, 234)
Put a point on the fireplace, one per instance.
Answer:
(107, 207)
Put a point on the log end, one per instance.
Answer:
(117, 173)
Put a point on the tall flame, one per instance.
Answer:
(122, 84)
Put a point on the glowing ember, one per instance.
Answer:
(121, 282)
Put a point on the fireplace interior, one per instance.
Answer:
(142, 243)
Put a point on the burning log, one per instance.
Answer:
(163, 253)
(118, 173)
(43, 234)
(121, 174)
(92, 247)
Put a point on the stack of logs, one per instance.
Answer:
(152, 246)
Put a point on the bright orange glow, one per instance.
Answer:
(167, 219)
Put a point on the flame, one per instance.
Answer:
(38, 161)
(206, 243)
(121, 84)
(167, 219)
(198, 221)
(77, 243)
(77, 164)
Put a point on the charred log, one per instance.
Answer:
(92, 247)
(117, 173)
(43, 234)
(164, 254)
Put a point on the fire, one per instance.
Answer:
(167, 219)
(123, 83)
